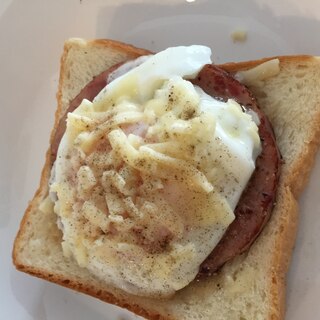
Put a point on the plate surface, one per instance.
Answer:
(32, 35)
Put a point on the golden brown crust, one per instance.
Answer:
(245, 65)
(281, 259)
(120, 46)
(284, 241)
(103, 295)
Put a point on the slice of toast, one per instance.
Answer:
(251, 286)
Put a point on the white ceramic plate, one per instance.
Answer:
(31, 37)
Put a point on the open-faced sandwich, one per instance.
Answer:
(170, 185)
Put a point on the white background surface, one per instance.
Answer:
(31, 39)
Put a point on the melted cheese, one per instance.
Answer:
(256, 75)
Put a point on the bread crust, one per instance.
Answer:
(284, 240)
(245, 65)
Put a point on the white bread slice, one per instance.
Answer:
(251, 286)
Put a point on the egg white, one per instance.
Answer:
(226, 159)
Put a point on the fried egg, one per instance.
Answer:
(148, 175)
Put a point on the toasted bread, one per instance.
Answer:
(250, 286)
